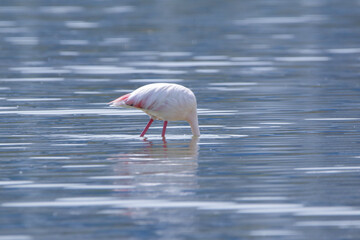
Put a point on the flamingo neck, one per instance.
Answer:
(194, 124)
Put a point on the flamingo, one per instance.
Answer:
(163, 101)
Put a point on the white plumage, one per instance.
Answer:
(163, 101)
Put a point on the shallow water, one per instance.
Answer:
(278, 94)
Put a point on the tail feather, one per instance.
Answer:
(121, 101)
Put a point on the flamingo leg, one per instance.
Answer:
(164, 129)
(147, 127)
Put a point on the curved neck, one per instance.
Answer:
(194, 124)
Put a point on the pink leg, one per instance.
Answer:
(164, 129)
(147, 127)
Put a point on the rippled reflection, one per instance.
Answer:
(170, 167)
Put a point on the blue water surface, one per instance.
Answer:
(278, 91)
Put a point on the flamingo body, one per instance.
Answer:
(163, 101)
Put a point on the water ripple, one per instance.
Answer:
(61, 9)
(199, 64)
(81, 24)
(92, 69)
(242, 208)
(15, 237)
(283, 20)
(303, 59)
(23, 40)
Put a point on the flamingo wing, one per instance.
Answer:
(137, 99)
(119, 102)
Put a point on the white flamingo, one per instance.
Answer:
(163, 101)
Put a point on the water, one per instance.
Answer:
(278, 89)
